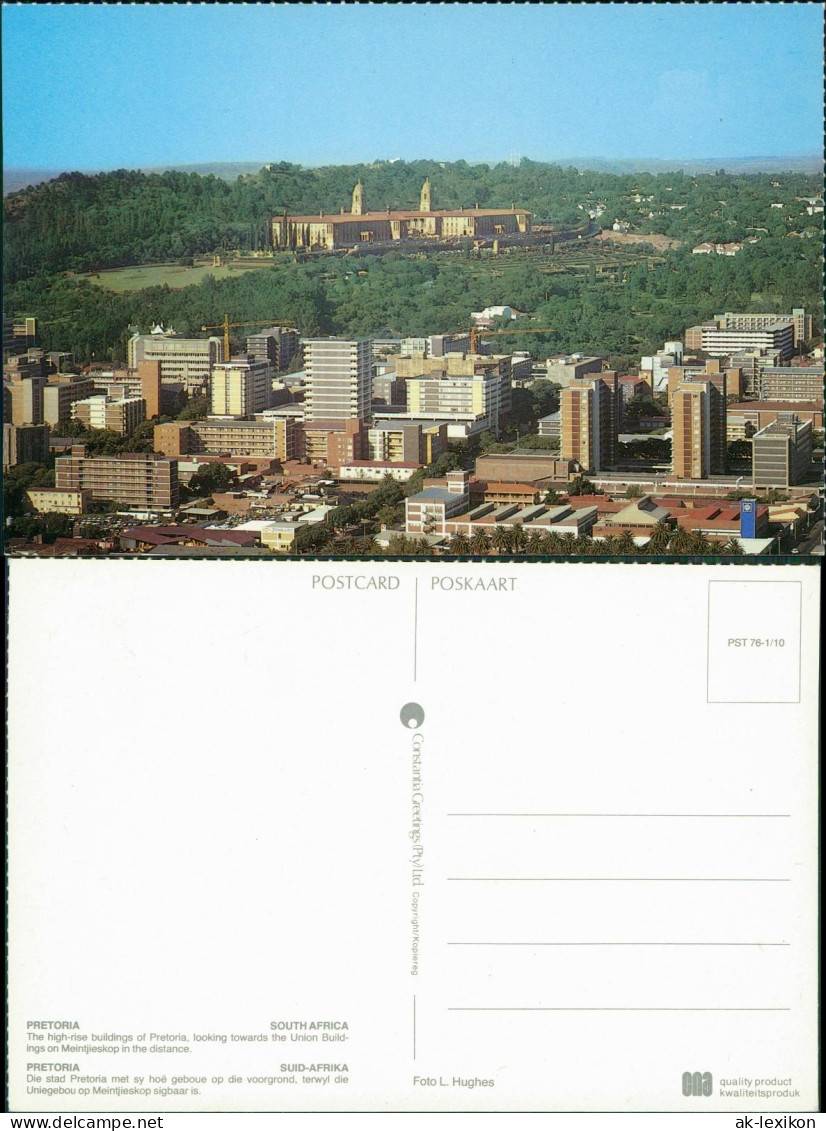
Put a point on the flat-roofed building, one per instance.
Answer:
(241, 387)
(388, 389)
(760, 413)
(186, 360)
(550, 425)
(147, 481)
(732, 377)
(427, 511)
(782, 453)
(19, 335)
(375, 471)
(24, 393)
(115, 415)
(563, 370)
(445, 396)
(791, 383)
(280, 536)
(730, 333)
(276, 344)
(25, 443)
(174, 439)
(339, 379)
(406, 442)
(60, 393)
(343, 445)
(53, 500)
(524, 467)
(698, 421)
(591, 412)
(275, 437)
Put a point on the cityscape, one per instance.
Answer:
(409, 357)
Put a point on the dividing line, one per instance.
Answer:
(616, 1009)
(621, 879)
(740, 816)
(415, 626)
(618, 944)
(414, 1026)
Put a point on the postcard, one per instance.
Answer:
(469, 838)
(413, 502)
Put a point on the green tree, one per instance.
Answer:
(658, 542)
(212, 477)
(480, 544)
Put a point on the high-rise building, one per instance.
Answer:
(19, 335)
(782, 452)
(276, 344)
(25, 443)
(729, 333)
(25, 395)
(241, 387)
(591, 409)
(406, 442)
(121, 415)
(698, 420)
(791, 383)
(146, 481)
(149, 375)
(339, 379)
(60, 394)
(186, 360)
(479, 394)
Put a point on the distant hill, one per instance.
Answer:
(795, 163)
(15, 179)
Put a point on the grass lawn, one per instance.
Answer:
(136, 278)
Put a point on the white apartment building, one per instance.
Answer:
(339, 379)
(447, 397)
(241, 387)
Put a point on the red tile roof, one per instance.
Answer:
(355, 217)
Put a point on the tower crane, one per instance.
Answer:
(476, 334)
(226, 326)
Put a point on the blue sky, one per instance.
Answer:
(90, 86)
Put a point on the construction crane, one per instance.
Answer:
(476, 334)
(226, 326)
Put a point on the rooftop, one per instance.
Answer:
(412, 214)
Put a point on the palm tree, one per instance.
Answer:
(551, 543)
(398, 544)
(350, 546)
(658, 542)
(518, 538)
(368, 546)
(626, 544)
(460, 544)
(680, 542)
(501, 539)
(534, 542)
(480, 542)
(567, 543)
(732, 546)
(700, 543)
